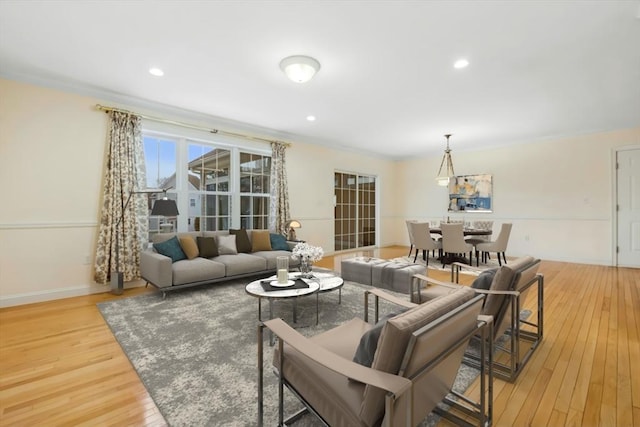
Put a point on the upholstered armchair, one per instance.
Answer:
(414, 365)
(506, 289)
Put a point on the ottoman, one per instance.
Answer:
(358, 269)
(395, 276)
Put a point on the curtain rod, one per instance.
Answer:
(187, 125)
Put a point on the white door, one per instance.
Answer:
(628, 184)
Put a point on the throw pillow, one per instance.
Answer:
(207, 247)
(170, 248)
(484, 279)
(369, 341)
(227, 244)
(242, 240)
(189, 247)
(278, 242)
(260, 241)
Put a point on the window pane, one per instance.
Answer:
(160, 161)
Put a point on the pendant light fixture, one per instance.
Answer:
(443, 178)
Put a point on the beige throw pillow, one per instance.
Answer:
(189, 247)
(260, 241)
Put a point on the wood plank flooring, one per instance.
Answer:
(60, 364)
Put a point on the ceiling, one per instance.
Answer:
(387, 86)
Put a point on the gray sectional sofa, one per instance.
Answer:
(169, 273)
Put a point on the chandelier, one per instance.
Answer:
(443, 178)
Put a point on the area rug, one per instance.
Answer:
(196, 350)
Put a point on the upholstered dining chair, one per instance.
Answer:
(499, 246)
(411, 241)
(423, 241)
(453, 243)
(408, 373)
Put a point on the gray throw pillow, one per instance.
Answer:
(484, 280)
(369, 341)
(227, 244)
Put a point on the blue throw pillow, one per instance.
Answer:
(170, 248)
(278, 242)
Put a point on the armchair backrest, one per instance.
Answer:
(393, 353)
(508, 278)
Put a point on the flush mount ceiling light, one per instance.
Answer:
(311, 118)
(299, 68)
(154, 71)
(461, 63)
(443, 177)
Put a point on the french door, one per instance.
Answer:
(355, 211)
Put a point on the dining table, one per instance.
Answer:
(467, 231)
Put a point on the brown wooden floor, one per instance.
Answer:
(61, 365)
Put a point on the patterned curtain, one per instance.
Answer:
(279, 206)
(125, 172)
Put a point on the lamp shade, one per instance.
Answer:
(165, 207)
(293, 223)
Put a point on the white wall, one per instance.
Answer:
(558, 194)
(52, 145)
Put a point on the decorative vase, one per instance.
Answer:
(305, 267)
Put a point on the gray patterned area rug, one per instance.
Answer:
(196, 350)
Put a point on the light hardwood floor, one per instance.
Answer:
(61, 365)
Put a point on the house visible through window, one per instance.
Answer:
(215, 187)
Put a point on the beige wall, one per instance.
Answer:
(558, 194)
(52, 143)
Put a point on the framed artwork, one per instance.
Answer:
(471, 193)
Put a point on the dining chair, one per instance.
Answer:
(423, 241)
(411, 241)
(453, 243)
(499, 246)
(475, 240)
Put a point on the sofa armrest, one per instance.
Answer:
(156, 269)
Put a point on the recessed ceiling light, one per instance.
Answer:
(461, 63)
(156, 72)
(311, 118)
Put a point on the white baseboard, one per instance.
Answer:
(60, 293)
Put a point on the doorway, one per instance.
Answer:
(354, 211)
(628, 207)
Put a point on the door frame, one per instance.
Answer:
(614, 198)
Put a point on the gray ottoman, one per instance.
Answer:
(358, 269)
(395, 276)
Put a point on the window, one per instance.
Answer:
(208, 181)
(255, 184)
(216, 187)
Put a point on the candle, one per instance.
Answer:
(283, 276)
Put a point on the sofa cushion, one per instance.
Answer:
(226, 244)
(241, 263)
(242, 240)
(196, 270)
(260, 241)
(170, 248)
(207, 247)
(278, 242)
(189, 246)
